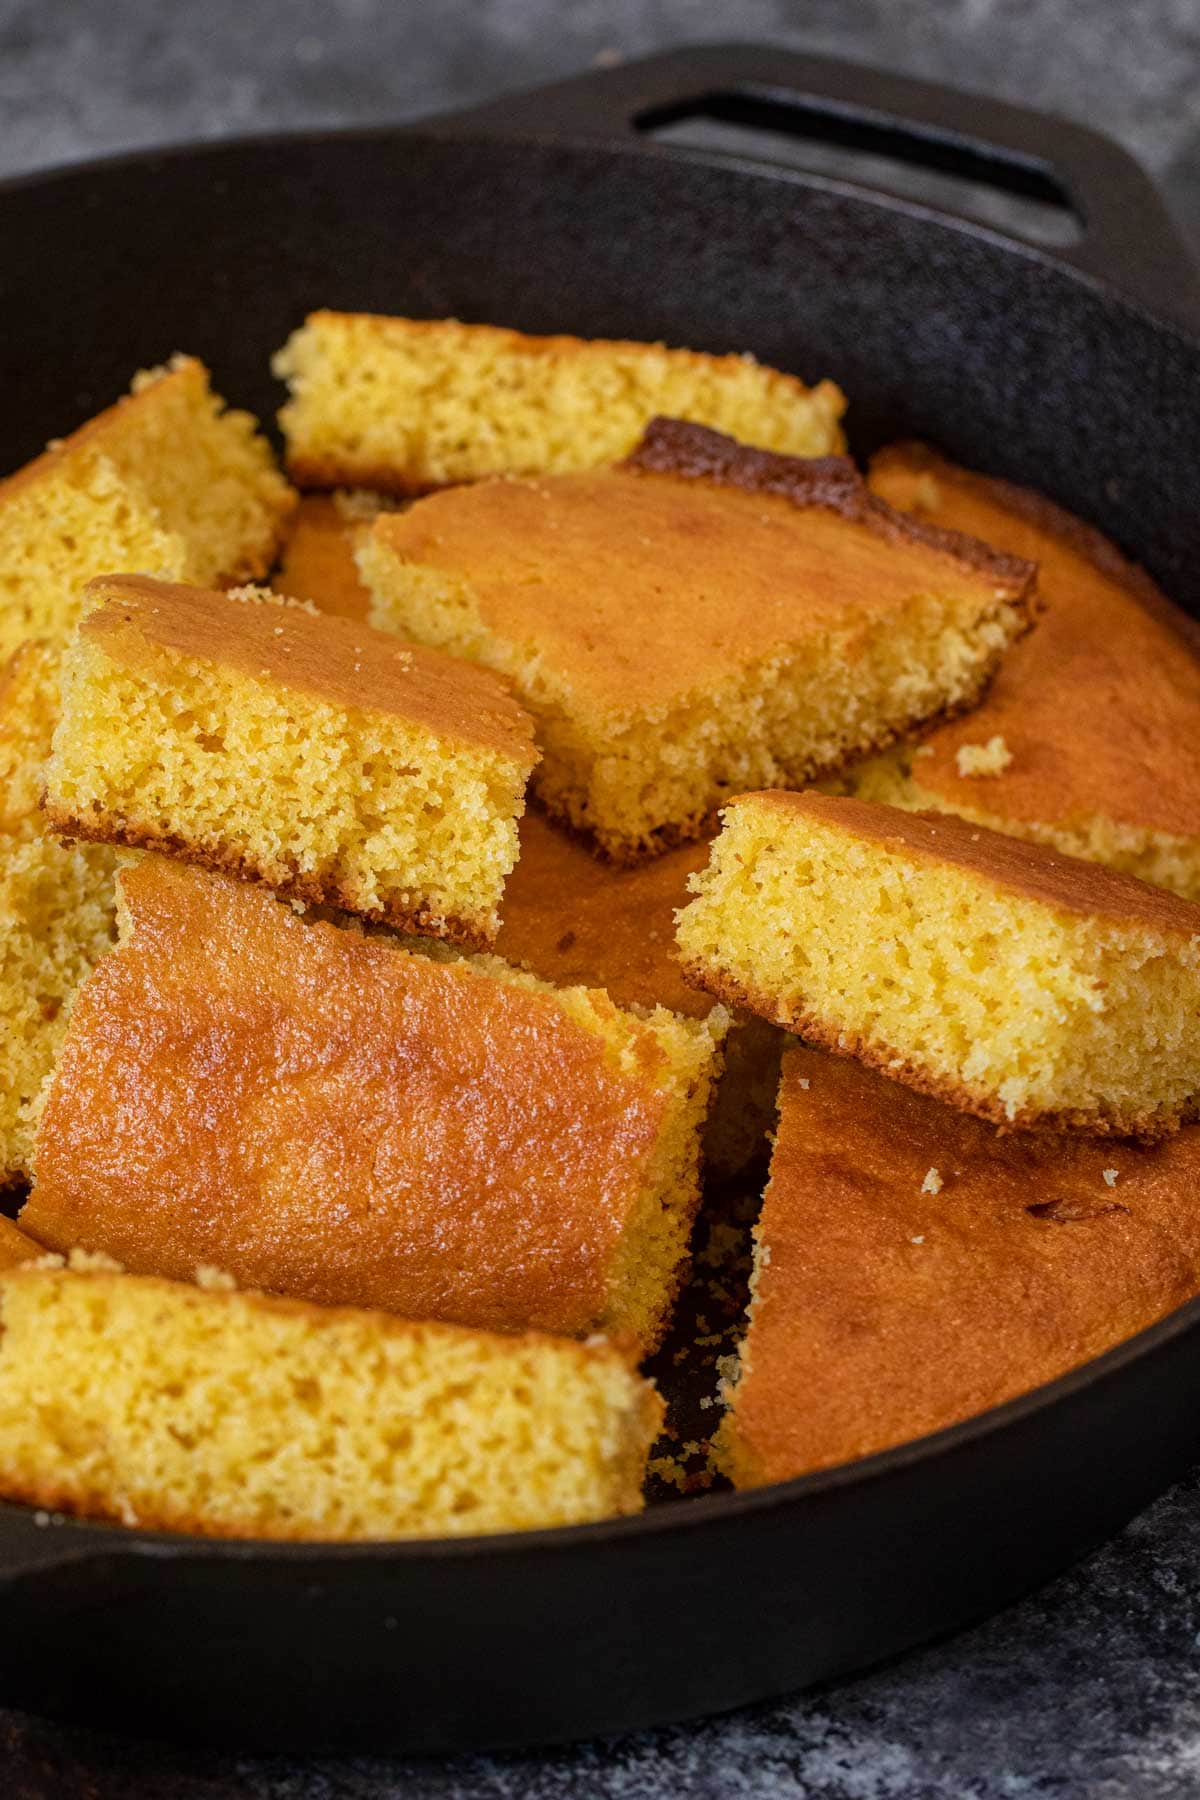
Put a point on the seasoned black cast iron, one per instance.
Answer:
(550, 212)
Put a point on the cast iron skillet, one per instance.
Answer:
(548, 212)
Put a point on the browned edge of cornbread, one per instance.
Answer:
(420, 921)
(698, 453)
(815, 1031)
(1045, 515)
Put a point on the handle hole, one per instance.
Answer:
(1014, 194)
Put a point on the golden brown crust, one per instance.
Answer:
(576, 920)
(916, 1076)
(377, 1128)
(890, 1305)
(317, 560)
(698, 453)
(478, 933)
(1030, 871)
(309, 471)
(1100, 713)
(15, 1246)
(645, 590)
(338, 660)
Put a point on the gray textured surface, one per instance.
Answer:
(1090, 1689)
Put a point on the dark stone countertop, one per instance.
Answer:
(1090, 1688)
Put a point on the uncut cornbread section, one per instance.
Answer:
(310, 753)
(196, 1409)
(914, 1267)
(329, 1114)
(1027, 987)
(57, 906)
(700, 620)
(406, 405)
(1089, 738)
(574, 919)
(317, 562)
(166, 480)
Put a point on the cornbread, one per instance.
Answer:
(1027, 987)
(317, 561)
(187, 1408)
(887, 1305)
(57, 906)
(702, 619)
(331, 1115)
(411, 404)
(15, 1247)
(166, 480)
(312, 754)
(1099, 712)
(574, 919)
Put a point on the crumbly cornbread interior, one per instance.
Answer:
(945, 976)
(369, 807)
(199, 1409)
(679, 640)
(409, 404)
(167, 480)
(57, 905)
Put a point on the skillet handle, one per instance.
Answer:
(1127, 236)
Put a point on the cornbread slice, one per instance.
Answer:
(701, 620)
(312, 754)
(914, 1267)
(411, 404)
(317, 562)
(165, 480)
(574, 919)
(1095, 720)
(331, 1115)
(57, 906)
(1030, 988)
(188, 1408)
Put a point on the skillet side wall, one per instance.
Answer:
(1009, 362)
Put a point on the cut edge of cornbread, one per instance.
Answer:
(167, 479)
(1088, 1025)
(57, 907)
(639, 783)
(184, 754)
(685, 1062)
(1157, 857)
(205, 1410)
(407, 405)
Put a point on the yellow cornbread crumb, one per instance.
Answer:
(176, 1407)
(166, 480)
(410, 404)
(932, 1184)
(991, 758)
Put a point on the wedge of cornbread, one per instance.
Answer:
(574, 919)
(166, 480)
(700, 620)
(1089, 738)
(405, 405)
(334, 1116)
(310, 753)
(317, 560)
(194, 1408)
(1027, 987)
(57, 905)
(914, 1267)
